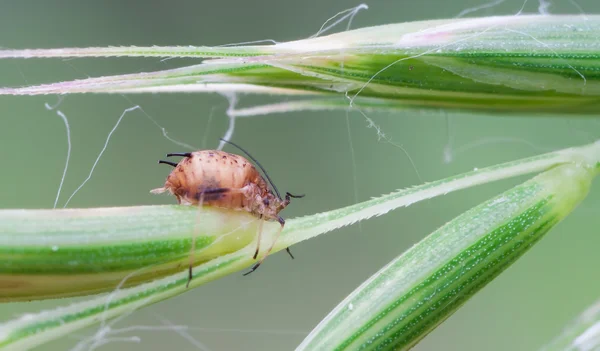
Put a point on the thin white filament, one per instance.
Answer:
(351, 12)
(250, 331)
(101, 152)
(250, 42)
(381, 135)
(184, 334)
(553, 51)
(448, 156)
(49, 107)
(207, 128)
(580, 9)
(417, 56)
(232, 98)
(68, 129)
(544, 6)
(96, 345)
(480, 7)
(497, 140)
(354, 168)
(163, 130)
(410, 159)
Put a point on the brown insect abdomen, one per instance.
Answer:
(216, 176)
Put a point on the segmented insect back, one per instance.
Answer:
(225, 180)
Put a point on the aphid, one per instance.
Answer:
(220, 179)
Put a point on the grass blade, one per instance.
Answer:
(502, 64)
(414, 293)
(35, 329)
(582, 334)
(58, 253)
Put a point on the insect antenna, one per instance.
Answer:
(184, 154)
(257, 163)
(173, 164)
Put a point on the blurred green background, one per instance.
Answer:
(308, 152)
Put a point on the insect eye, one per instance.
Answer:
(266, 202)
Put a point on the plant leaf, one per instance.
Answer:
(497, 64)
(35, 329)
(583, 333)
(58, 253)
(418, 290)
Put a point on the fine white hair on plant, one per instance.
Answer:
(64, 175)
(478, 34)
(353, 157)
(105, 146)
(475, 35)
(543, 7)
(582, 13)
(99, 338)
(350, 19)
(166, 134)
(354, 168)
(105, 341)
(348, 13)
(579, 8)
(68, 130)
(552, 50)
(233, 99)
(370, 122)
(106, 329)
(21, 73)
(101, 152)
(184, 334)
(58, 102)
(496, 140)
(162, 129)
(479, 7)
(410, 159)
(250, 42)
(207, 128)
(448, 156)
(381, 135)
(251, 331)
(111, 296)
(111, 336)
(522, 8)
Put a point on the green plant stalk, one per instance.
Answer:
(58, 253)
(500, 64)
(35, 329)
(71, 252)
(582, 334)
(413, 294)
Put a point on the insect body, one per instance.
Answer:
(221, 179)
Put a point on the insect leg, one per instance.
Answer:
(289, 252)
(288, 197)
(260, 229)
(193, 248)
(201, 196)
(282, 222)
(287, 248)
